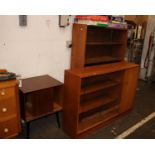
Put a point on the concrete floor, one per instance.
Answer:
(46, 128)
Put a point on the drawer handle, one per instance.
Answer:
(6, 130)
(2, 92)
(4, 109)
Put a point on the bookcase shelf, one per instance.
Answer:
(97, 119)
(96, 102)
(99, 86)
(100, 60)
(104, 43)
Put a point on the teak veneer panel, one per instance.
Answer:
(34, 84)
(101, 69)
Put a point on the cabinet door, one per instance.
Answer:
(129, 85)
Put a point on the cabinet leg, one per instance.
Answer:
(27, 130)
(57, 118)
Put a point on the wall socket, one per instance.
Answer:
(68, 44)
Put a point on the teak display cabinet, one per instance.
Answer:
(100, 86)
(93, 45)
(96, 95)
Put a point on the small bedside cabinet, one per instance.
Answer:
(9, 109)
(40, 96)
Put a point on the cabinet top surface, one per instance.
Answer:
(101, 69)
(8, 83)
(38, 83)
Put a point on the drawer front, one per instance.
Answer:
(7, 107)
(7, 93)
(9, 128)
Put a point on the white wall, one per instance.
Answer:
(39, 48)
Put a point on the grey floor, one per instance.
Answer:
(46, 128)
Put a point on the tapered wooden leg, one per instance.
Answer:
(27, 130)
(57, 118)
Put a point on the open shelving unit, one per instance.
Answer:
(97, 94)
(94, 45)
(100, 86)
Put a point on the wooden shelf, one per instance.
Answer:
(30, 117)
(97, 119)
(102, 69)
(96, 102)
(103, 59)
(98, 86)
(104, 43)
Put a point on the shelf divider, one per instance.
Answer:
(97, 119)
(56, 108)
(104, 43)
(95, 103)
(98, 86)
(103, 59)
